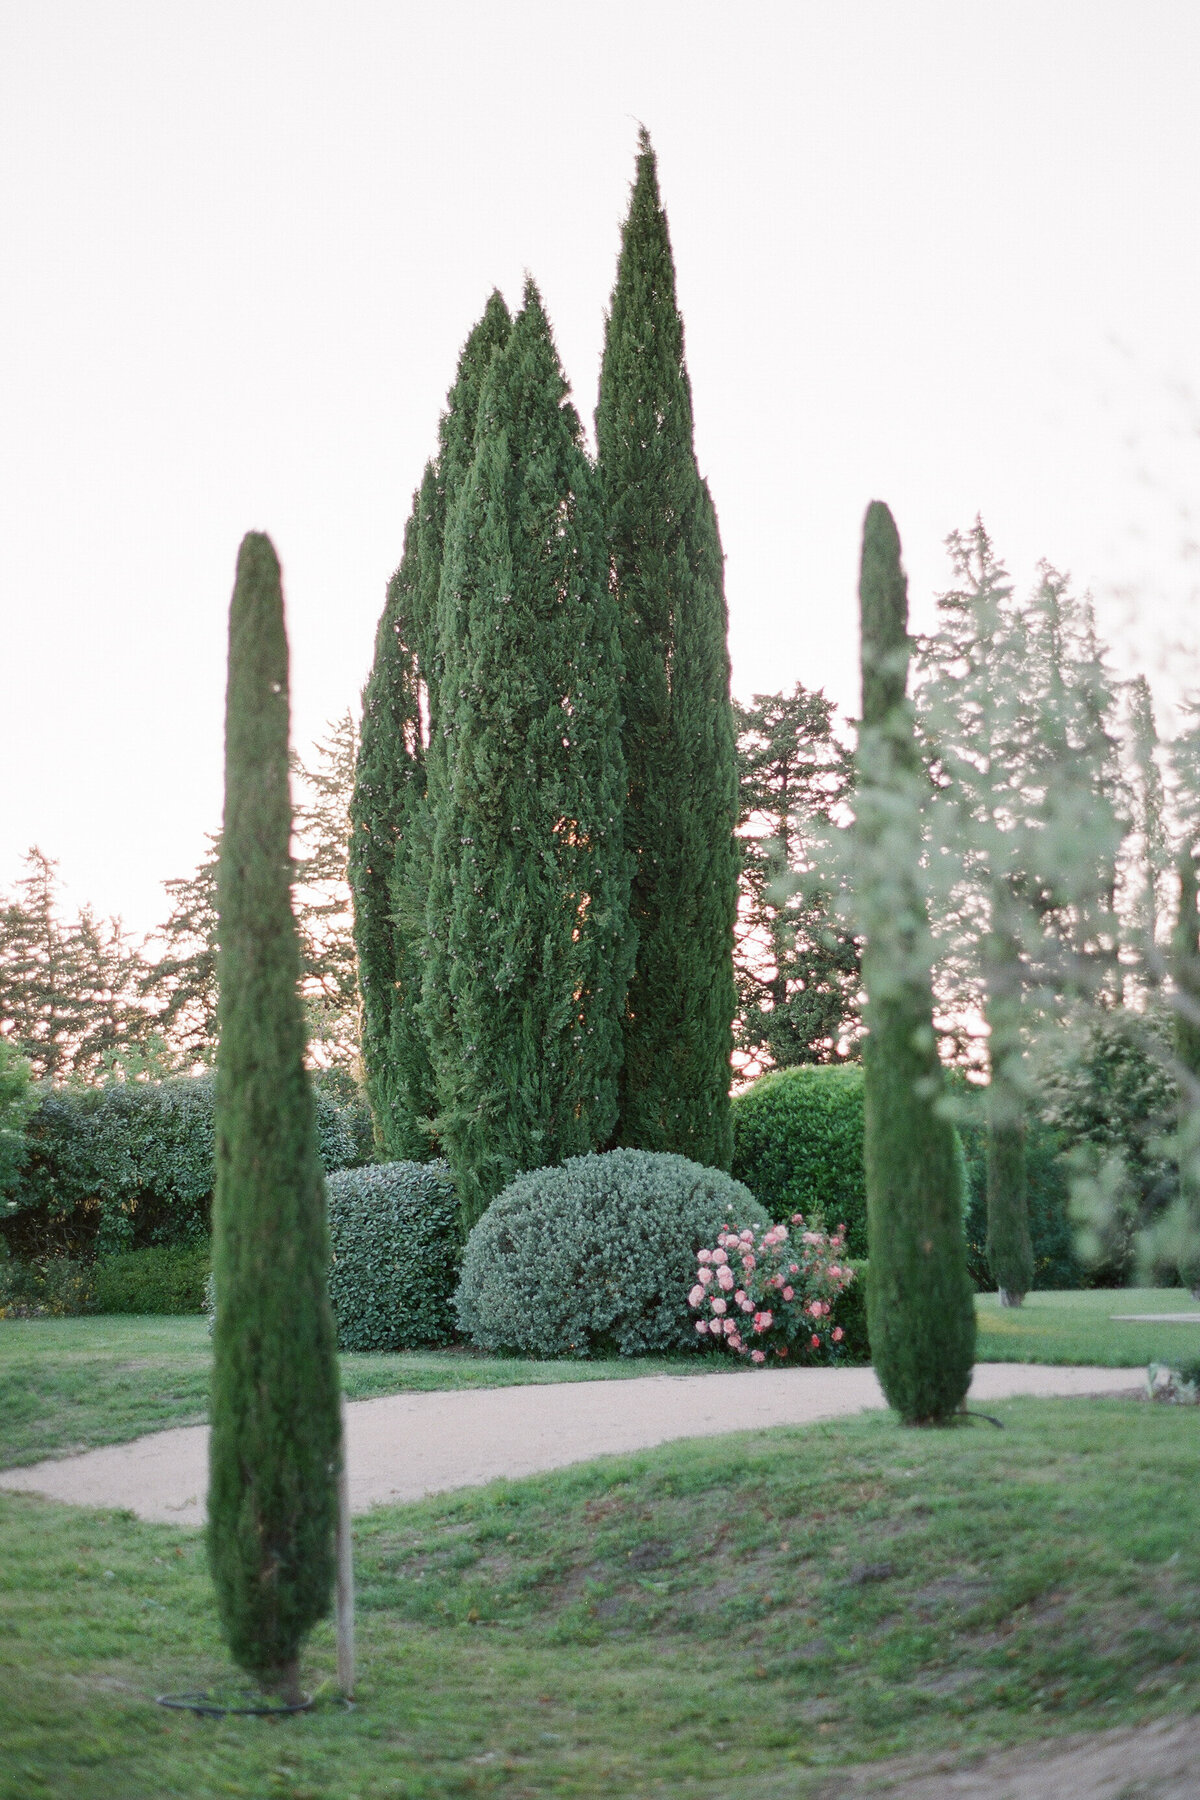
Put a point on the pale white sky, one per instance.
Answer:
(940, 252)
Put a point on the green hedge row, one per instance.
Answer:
(130, 1165)
(163, 1278)
(798, 1146)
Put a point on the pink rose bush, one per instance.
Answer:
(773, 1296)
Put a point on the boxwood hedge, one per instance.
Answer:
(394, 1255)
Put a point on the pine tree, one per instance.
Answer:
(400, 760)
(275, 1445)
(528, 901)
(797, 967)
(920, 1307)
(1151, 855)
(976, 712)
(679, 742)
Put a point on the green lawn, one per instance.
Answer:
(731, 1618)
(66, 1384)
(1079, 1328)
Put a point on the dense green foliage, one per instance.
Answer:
(18, 1102)
(394, 1255)
(798, 1146)
(401, 750)
(1056, 1264)
(666, 562)
(919, 1303)
(276, 1421)
(130, 1164)
(596, 1256)
(796, 964)
(528, 896)
(163, 1278)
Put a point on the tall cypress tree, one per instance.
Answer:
(400, 757)
(276, 1429)
(386, 816)
(679, 738)
(920, 1308)
(528, 902)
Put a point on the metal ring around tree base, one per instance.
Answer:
(259, 1706)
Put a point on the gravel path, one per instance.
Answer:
(404, 1446)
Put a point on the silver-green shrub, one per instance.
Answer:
(596, 1256)
(394, 1243)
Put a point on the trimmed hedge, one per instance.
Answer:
(798, 1146)
(798, 1137)
(130, 1164)
(596, 1256)
(395, 1248)
(163, 1278)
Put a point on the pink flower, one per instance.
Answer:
(747, 1236)
(718, 1305)
(758, 1356)
(696, 1297)
(797, 1218)
(719, 1256)
(764, 1320)
(788, 1294)
(793, 1268)
(747, 1263)
(725, 1278)
(703, 1256)
(838, 1334)
(816, 1342)
(706, 1276)
(740, 1295)
(746, 1305)
(731, 1330)
(702, 1326)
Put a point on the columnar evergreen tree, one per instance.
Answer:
(276, 1433)
(1185, 973)
(920, 1307)
(666, 571)
(797, 966)
(400, 761)
(528, 902)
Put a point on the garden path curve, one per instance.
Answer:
(404, 1446)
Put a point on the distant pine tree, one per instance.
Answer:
(679, 739)
(528, 902)
(276, 1430)
(400, 757)
(920, 1307)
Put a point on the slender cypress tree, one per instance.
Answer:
(920, 1308)
(386, 816)
(276, 1429)
(400, 758)
(666, 569)
(1185, 971)
(528, 903)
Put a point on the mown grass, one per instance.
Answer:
(735, 1618)
(1079, 1328)
(69, 1384)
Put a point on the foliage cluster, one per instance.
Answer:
(596, 1257)
(798, 1146)
(130, 1164)
(394, 1255)
(162, 1278)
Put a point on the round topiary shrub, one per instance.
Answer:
(596, 1256)
(798, 1146)
(394, 1254)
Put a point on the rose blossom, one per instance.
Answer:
(703, 1256)
(747, 1263)
(706, 1276)
(719, 1256)
(702, 1326)
(696, 1297)
(838, 1334)
(718, 1305)
(789, 1293)
(793, 1268)
(725, 1277)
(758, 1356)
(816, 1342)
